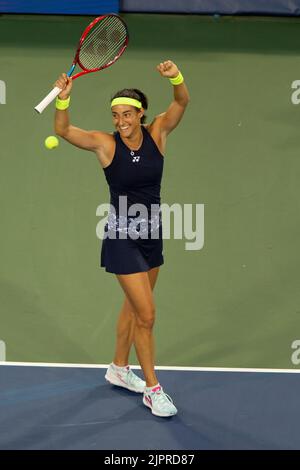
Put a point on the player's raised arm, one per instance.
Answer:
(88, 140)
(169, 120)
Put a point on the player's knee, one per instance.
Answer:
(146, 318)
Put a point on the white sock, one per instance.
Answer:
(149, 389)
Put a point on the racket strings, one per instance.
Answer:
(102, 46)
(104, 42)
(99, 53)
(102, 26)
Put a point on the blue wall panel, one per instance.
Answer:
(75, 7)
(229, 7)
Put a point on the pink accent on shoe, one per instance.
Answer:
(120, 377)
(156, 389)
(148, 399)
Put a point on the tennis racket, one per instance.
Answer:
(101, 44)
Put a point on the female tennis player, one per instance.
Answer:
(132, 160)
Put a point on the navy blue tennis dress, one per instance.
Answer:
(132, 239)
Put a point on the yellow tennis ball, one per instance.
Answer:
(51, 142)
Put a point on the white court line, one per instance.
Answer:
(195, 369)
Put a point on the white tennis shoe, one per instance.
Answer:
(124, 377)
(159, 402)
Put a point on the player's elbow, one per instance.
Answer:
(61, 131)
(184, 101)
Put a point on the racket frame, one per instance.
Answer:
(84, 35)
(55, 92)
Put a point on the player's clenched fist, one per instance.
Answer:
(168, 69)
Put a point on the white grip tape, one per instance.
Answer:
(48, 99)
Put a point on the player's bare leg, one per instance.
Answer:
(138, 291)
(126, 325)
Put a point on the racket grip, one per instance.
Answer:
(48, 99)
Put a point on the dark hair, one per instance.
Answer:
(135, 94)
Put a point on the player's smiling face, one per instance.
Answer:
(126, 119)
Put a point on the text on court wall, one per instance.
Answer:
(2, 92)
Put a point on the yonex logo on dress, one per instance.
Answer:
(2, 92)
(136, 158)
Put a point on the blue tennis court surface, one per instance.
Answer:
(74, 408)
